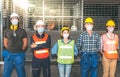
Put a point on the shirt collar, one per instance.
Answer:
(68, 40)
(93, 33)
(40, 36)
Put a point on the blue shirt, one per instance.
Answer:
(54, 49)
(89, 43)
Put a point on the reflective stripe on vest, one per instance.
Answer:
(40, 42)
(65, 52)
(41, 53)
(65, 46)
(110, 42)
(65, 57)
(112, 52)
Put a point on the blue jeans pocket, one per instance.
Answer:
(85, 60)
(95, 59)
(19, 59)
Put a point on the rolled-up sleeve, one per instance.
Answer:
(79, 42)
(54, 49)
(75, 50)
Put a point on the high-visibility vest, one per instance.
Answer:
(65, 52)
(110, 46)
(44, 52)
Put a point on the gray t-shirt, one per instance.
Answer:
(15, 39)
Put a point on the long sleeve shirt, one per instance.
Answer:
(44, 45)
(89, 43)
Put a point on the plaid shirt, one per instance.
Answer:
(89, 43)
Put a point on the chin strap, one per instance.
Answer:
(13, 27)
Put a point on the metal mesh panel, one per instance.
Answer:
(56, 13)
(101, 11)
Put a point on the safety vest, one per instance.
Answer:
(110, 46)
(44, 52)
(65, 52)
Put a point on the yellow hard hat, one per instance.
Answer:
(110, 23)
(89, 20)
(64, 28)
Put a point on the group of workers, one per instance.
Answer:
(89, 45)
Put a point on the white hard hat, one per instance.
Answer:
(40, 22)
(14, 15)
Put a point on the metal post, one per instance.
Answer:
(43, 10)
(59, 18)
(82, 12)
(1, 28)
(25, 17)
(62, 12)
(13, 3)
(118, 17)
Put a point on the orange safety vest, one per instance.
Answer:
(41, 53)
(110, 46)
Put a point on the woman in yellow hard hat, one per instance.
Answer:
(64, 28)
(65, 49)
(89, 44)
(109, 50)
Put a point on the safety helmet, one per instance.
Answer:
(110, 23)
(64, 28)
(89, 20)
(40, 22)
(14, 15)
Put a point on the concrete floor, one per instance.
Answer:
(54, 71)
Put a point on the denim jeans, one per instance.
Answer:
(64, 70)
(89, 64)
(14, 61)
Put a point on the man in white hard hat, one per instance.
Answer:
(40, 46)
(15, 42)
